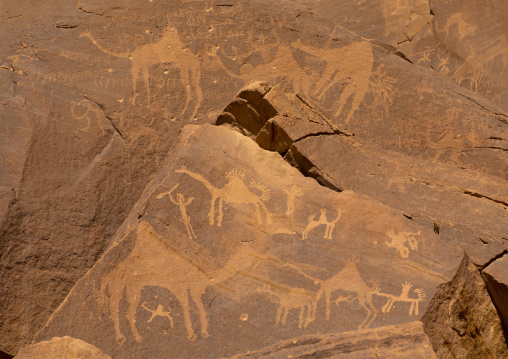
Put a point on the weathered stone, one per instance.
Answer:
(464, 40)
(265, 262)
(496, 277)
(61, 348)
(414, 186)
(394, 341)
(461, 321)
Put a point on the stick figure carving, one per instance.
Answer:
(169, 49)
(159, 312)
(313, 223)
(235, 191)
(180, 201)
(398, 241)
(403, 297)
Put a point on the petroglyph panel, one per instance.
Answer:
(227, 249)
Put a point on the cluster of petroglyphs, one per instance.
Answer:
(383, 89)
(403, 297)
(169, 49)
(173, 271)
(399, 241)
(234, 191)
(313, 223)
(159, 312)
(181, 203)
(291, 298)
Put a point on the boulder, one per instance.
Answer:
(61, 348)
(461, 320)
(496, 278)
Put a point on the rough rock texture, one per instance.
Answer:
(461, 320)
(93, 96)
(61, 348)
(465, 40)
(230, 249)
(496, 277)
(416, 187)
(394, 341)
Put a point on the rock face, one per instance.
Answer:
(473, 328)
(465, 41)
(61, 348)
(231, 249)
(394, 341)
(94, 96)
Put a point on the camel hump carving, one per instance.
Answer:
(153, 262)
(234, 191)
(168, 49)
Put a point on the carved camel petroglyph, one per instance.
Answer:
(313, 223)
(152, 262)
(169, 49)
(235, 191)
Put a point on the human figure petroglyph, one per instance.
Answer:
(159, 312)
(292, 194)
(180, 202)
(351, 65)
(313, 223)
(235, 191)
(398, 241)
(291, 298)
(152, 262)
(403, 297)
(168, 49)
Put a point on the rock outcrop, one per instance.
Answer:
(61, 348)
(461, 320)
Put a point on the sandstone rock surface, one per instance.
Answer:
(231, 249)
(395, 341)
(496, 278)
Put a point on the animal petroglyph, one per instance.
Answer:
(292, 194)
(180, 202)
(291, 298)
(349, 280)
(456, 21)
(170, 50)
(235, 191)
(403, 297)
(471, 70)
(350, 65)
(159, 312)
(398, 241)
(313, 223)
(85, 110)
(152, 262)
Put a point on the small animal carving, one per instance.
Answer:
(403, 297)
(291, 298)
(313, 223)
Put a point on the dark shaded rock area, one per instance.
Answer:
(224, 178)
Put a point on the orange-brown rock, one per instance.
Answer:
(394, 341)
(496, 278)
(461, 320)
(230, 249)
